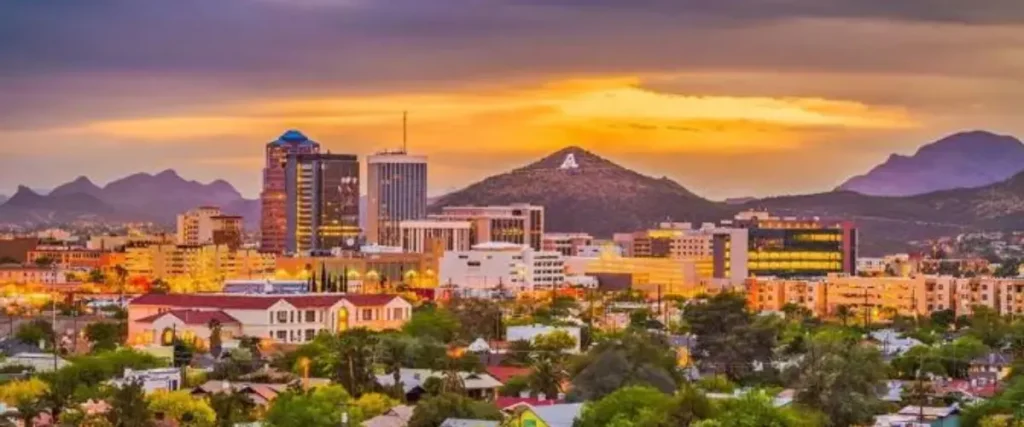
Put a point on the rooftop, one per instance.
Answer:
(194, 317)
(293, 136)
(259, 302)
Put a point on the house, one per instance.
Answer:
(154, 319)
(398, 416)
(11, 346)
(913, 416)
(480, 386)
(531, 332)
(891, 343)
(168, 379)
(461, 422)
(260, 393)
(39, 362)
(559, 415)
(990, 368)
(505, 373)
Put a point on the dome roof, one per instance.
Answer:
(292, 136)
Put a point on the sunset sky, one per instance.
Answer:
(728, 97)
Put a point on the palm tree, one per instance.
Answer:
(122, 277)
(392, 354)
(844, 313)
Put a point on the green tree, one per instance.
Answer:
(629, 406)
(519, 353)
(988, 326)
(943, 318)
(477, 318)
(128, 407)
(393, 353)
(840, 378)
(433, 322)
(1008, 268)
(36, 331)
(515, 385)
(632, 358)
(322, 407)
(432, 411)
(216, 344)
(374, 404)
(182, 408)
(232, 408)
(105, 336)
(44, 261)
(96, 276)
(689, 406)
(755, 409)
(730, 339)
(549, 362)
(159, 286)
(349, 360)
(844, 313)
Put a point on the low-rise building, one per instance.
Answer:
(480, 386)
(67, 257)
(568, 244)
(497, 265)
(428, 235)
(155, 319)
(151, 380)
(18, 274)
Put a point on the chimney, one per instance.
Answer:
(525, 394)
(542, 397)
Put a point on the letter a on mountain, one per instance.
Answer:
(569, 162)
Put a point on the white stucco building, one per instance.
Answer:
(513, 267)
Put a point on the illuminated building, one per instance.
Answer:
(18, 274)
(494, 265)
(396, 192)
(273, 203)
(425, 235)
(366, 272)
(210, 264)
(718, 252)
(673, 276)
(794, 247)
(154, 319)
(522, 224)
(322, 202)
(568, 244)
(983, 292)
(208, 225)
(68, 257)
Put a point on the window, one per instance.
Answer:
(396, 314)
(310, 316)
(282, 317)
(282, 335)
(291, 315)
(367, 314)
(310, 333)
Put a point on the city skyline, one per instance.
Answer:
(681, 89)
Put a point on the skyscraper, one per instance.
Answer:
(322, 202)
(397, 191)
(273, 223)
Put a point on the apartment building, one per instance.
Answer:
(154, 319)
(368, 272)
(215, 262)
(568, 244)
(208, 225)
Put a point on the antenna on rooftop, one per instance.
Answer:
(405, 126)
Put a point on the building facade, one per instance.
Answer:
(366, 272)
(154, 319)
(273, 198)
(208, 225)
(22, 275)
(568, 244)
(205, 263)
(396, 192)
(429, 235)
(322, 198)
(499, 265)
(521, 224)
(717, 252)
(67, 257)
(797, 247)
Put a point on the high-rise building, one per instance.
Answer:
(274, 221)
(794, 247)
(720, 253)
(322, 199)
(521, 224)
(208, 225)
(396, 191)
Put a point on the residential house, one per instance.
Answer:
(990, 368)
(559, 415)
(262, 394)
(914, 416)
(39, 362)
(168, 379)
(153, 319)
(892, 343)
(478, 386)
(398, 416)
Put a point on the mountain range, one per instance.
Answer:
(138, 197)
(962, 160)
(582, 191)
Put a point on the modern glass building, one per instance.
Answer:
(799, 247)
(323, 202)
(396, 191)
(273, 204)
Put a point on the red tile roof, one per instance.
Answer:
(253, 302)
(193, 317)
(503, 373)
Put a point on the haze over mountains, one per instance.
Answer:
(585, 192)
(138, 197)
(962, 160)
